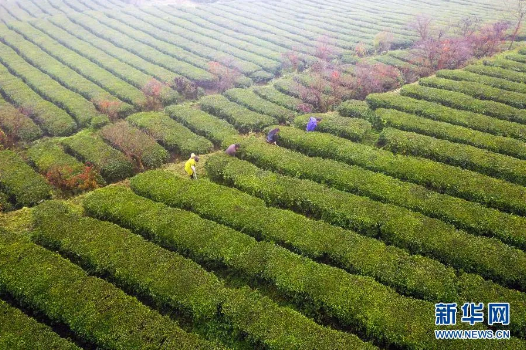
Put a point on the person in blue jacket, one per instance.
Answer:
(313, 123)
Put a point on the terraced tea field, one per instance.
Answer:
(342, 238)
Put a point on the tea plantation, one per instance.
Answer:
(342, 238)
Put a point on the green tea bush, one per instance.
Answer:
(242, 118)
(400, 320)
(199, 75)
(257, 104)
(50, 118)
(62, 22)
(497, 72)
(506, 64)
(76, 105)
(440, 177)
(172, 135)
(355, 253)
(112, 164)
(20, 181)
(269, 93)
(466, 75)
(19, 331)
(482, 91)
(470, 216)
(215, 129)
(332, 123)
(82, 65)
(14, 123)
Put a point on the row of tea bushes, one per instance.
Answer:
(13, 122)
(199, 75)
(214, 129)
(74, 104)
(19, 331)
(464, 102)
(20, 182)
(94, 310)
(252, 101)
(435, 111)
(177, 284)
(470, 216)
(465, 156)
(169, 133)
(401, 320)
(62, 22)
(240, 117)
(437, 176)
(395, 225)
(82, 65)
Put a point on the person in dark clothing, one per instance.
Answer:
(232, 149)
(272, 136)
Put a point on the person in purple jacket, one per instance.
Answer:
(313, 122)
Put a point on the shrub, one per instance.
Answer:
(135, 144)
(5, 204)
(450, 132)
(93, 309)
(436, 111)
(100, 121)
(62, 22)
(20, 181)
(112, 164)
(440, 177)
(255, 103)
(397, 226)
(215, 129)
(242, 118)
(332, 123)
(506, 64)
(261, 77)
(172, 135)
(177, 284)
(19, 331)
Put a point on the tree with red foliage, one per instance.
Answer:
(152, 91)
(226, 76)
(376, 77)
(186, 88)
(110, 108)
(73, 181)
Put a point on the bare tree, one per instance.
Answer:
(517, 11)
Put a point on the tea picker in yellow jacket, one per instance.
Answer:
(189, 166)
